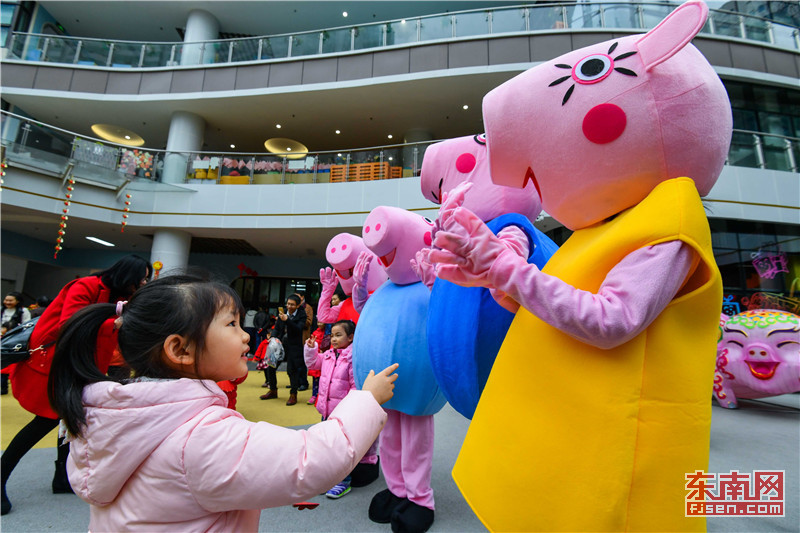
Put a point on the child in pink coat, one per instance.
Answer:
(162, 451)
(335, 382)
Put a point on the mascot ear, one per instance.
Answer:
(672, 34)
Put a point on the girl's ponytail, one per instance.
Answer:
(74, 365)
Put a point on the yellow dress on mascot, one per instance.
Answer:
(606, 437)
(621, 140)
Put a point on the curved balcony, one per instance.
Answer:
(565, 17)
(50, 150)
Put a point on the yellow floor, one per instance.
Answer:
(13, 417)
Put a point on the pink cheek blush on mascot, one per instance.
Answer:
(467, 325)
(392, 328)
(757, 356)
(342, 253)
(620, 140)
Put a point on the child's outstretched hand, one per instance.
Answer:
(311, 342)
(381, 385)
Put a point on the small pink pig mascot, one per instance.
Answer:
(392, 328)
(620, 140)
(758, 356)
(342, 252)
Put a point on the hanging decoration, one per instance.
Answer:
(62, 227)
(125, 212)
(157, 266)
(3, 167)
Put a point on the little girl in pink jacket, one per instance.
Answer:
(335, 382)
(162, 452)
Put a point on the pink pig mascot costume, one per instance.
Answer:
(392, 328)
(620, 139)
(342, 252)
(467, 325)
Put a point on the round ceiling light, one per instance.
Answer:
(117, 134)
(293, 149)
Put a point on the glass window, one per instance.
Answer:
(744, 119)
(508, 20)
(472, 24)
(336, 40)
(402, 32)
(305, 44)
(6, 14)
(757, 257)
(275, 47)
(368, 36)
(436, 28)
(545, 17)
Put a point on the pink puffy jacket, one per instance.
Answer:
(167, 455)
(336, 375)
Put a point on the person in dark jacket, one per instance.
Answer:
(289, 327)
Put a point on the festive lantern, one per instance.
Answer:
(125, 211)
(157, 266)
(63, 225)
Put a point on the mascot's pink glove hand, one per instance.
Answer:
(451, 200)
(467, 250)
(423, 268)
(361, 277)
(328, 279)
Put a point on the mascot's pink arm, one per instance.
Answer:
(325, 313)
(361, 277)
(515, 239)
(632, 295)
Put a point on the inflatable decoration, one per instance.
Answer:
(392, 330)
(342, 252)
(466, 326)
(758, 356)
(597, 404)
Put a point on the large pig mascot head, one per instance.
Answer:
(394, 235)
(342, 253)
(464, 159)
(596, 129)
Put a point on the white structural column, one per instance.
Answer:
(200, 26)
(412, 155)
(185, 136)
(171, 249)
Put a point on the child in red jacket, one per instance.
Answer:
(323, 340)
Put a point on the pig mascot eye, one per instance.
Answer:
(592, 69)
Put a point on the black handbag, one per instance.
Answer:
(14, 344)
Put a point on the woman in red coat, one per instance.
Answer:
(29, 378)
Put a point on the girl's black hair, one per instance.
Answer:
(348, 325)
(124, 276)
(176, 304)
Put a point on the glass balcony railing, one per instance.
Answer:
(34, 145)
(571, 16)
(37, 146)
